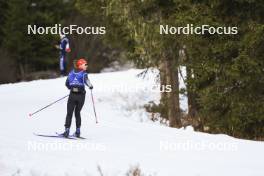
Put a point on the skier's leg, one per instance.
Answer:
(62, 64)
(65, 67)
(78, 108)
(70, 108)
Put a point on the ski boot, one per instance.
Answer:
(77, 132)
(66, 132)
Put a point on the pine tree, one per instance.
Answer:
(228, 69)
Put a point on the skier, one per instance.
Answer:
(76, 81)
(64, 48)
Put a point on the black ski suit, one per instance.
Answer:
(75, 102)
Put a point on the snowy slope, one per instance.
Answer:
(119, 141)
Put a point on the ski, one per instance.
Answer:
(54, 136)
(77, 137)
(80, 137)
(58, 135)
(72, 136)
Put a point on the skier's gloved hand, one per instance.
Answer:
(91, 87)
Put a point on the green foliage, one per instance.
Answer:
(229, 70)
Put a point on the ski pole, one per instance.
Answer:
(94, 107)
(31, 114)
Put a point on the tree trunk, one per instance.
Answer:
(163, 93)
(176, 94)
(193, 118)
(174, 113)
(192, 105)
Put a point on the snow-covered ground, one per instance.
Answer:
(124, 136)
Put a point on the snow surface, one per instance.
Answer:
(124, 136)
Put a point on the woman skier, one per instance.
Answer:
(76, 81)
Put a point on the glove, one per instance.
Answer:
(91, 87)
(68, 50)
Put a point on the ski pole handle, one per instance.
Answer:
(31, 114)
